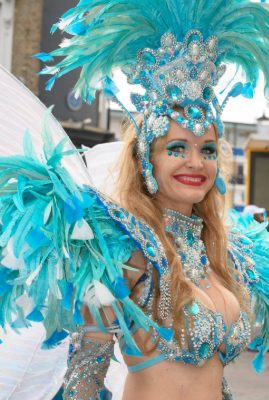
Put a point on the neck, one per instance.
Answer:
(186, 233)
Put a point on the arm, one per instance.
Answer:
(88, 364)
(91, 351)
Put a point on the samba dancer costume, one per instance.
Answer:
(75, 254)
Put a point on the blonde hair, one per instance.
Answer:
(132, 194)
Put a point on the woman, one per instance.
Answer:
(185, 168)
(155, 270)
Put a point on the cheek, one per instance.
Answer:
(212, 171)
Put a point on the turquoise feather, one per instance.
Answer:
(259, 236)
(40, 205)
(108, 34)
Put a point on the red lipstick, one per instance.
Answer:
(190, 179)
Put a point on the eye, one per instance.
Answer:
(176, 147)
(209, 150)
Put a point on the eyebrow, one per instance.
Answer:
(186, 141)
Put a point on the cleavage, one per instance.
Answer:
(218, 299)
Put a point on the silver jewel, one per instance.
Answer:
(186, 232)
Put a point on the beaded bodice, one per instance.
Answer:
(205, 330)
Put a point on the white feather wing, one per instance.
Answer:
(26, 371)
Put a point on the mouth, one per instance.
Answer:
(190, 180)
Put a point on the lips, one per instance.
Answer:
(190, 179)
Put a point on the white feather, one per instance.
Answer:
(10, 260)
(82, 231)
(99, 295)
(26, 371)
(65, 43)
(103, 294)
(25, 302)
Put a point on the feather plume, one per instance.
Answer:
(108, 34)
(27, 371)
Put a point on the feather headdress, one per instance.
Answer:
(176, 50)
(109, 34)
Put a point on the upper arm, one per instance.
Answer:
(139, 266)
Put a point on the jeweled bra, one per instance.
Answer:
(208, 331)
(200, 344)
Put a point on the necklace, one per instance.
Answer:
(186, 233)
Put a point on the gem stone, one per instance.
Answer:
(195, 113)
(204, 350)
(250, 273)
(119, 214)
(150, 250)
(180, 74)
(148, 58)
(198, 129)
(194, 309)
(174, 92)
(204, 259)
(207, 93)
(194, 49)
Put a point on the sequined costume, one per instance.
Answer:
(63, 244)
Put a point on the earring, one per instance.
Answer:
(219, 183)
(151, 182)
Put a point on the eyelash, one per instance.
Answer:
(177, 149)
(212, 150)
(180, 149)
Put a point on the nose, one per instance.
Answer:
(194, 159)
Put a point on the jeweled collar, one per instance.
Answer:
(186, 233)
(178, 224)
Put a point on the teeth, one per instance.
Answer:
(189, 179)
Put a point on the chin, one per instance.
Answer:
(191, 196)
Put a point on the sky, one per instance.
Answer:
(237, 110)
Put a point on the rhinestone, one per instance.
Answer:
(119, 214)
(207, 93)
(250, 273)
(193, 73)
(198, 129)
(194, 309)
(180, 74)
(150, 249)
(204, 259)
(194, 50)
(204, 75)
(148, 58)
(168, 40)
(153, 96)
(142, 147)
(193, 90)
(195, 113)
(174, 92)
(212, 43)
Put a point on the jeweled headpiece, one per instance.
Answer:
(176, 50)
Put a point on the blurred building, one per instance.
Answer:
(25, 31)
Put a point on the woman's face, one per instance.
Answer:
(185, 167)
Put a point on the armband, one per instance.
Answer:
(87, 367)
